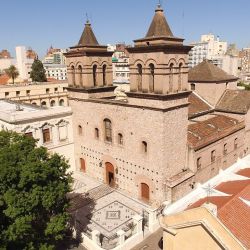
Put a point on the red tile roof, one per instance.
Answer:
(4, 79)
(203, 133)
(197, 106)
(244, 172)
(232, 211)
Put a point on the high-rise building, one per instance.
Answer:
(207, 48)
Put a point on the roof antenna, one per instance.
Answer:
(209, 191)
(159, 4)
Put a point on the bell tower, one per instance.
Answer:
(159, 61)
(159, 83)
(89, 66)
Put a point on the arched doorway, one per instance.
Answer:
(110, 174)
(145, 191)
(82, 165)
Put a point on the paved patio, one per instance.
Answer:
(96, 206)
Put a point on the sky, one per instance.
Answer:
(41, 23)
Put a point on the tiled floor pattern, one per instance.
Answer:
(98, 207)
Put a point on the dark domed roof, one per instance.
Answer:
(88, 36)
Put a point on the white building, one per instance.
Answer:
(120, 65)
(56, 71)
(55, 56)
(52, 127)
(47, 94)
(22, 63)
(208, 47)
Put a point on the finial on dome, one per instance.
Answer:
(159, 7)
(87, 19)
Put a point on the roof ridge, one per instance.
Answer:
(236, 195)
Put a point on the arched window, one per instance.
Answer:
(52, 103)
(96, 133)
(44, 104)
(79, 129)
(144, 147)
(80, 75)
(171, 77)
(61, 102)
(225, 149)
(108, 130)
(235, 143)
(46, 135)
(120, 139)
(94, 75)
(213, 155)
(192, 86)
(34, 103)
(139, 77)
(151, 77)
(198, 163)
(73, 75)
(180, 76)
(104, 67)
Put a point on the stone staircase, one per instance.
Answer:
(91, 196)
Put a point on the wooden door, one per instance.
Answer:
(110, 174)
(83, 166)
(144, 191)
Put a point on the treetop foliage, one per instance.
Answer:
(37, 73)
(33, 188)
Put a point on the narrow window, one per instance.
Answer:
(192, 86)
(17, 93)
(79, 129)
(52, 103)
(180, 76)
(151, 77)
(139, 77)
(96, 133)
(80, 75)
(104, 67)
(213, 156)
(94, 75)
(235, 143)
(47, 91)
(73, 75)
(198, 163)
(144, 147)
(61, 102)
(225, 149)
(27, 92)
(120, 139)
(171, 77)
(44, 104)
(108, 130)
(46, 135)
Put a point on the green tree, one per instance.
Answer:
(37, 73)
(33, 188)
(12, 72)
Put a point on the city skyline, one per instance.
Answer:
(60, 23)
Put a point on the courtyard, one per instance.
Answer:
(97, 207)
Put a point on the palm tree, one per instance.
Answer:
(12, 72)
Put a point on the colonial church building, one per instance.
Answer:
(139, 143)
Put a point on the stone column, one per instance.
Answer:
(152, 220)
(121, 235)
(137, 219)
(96, 237)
